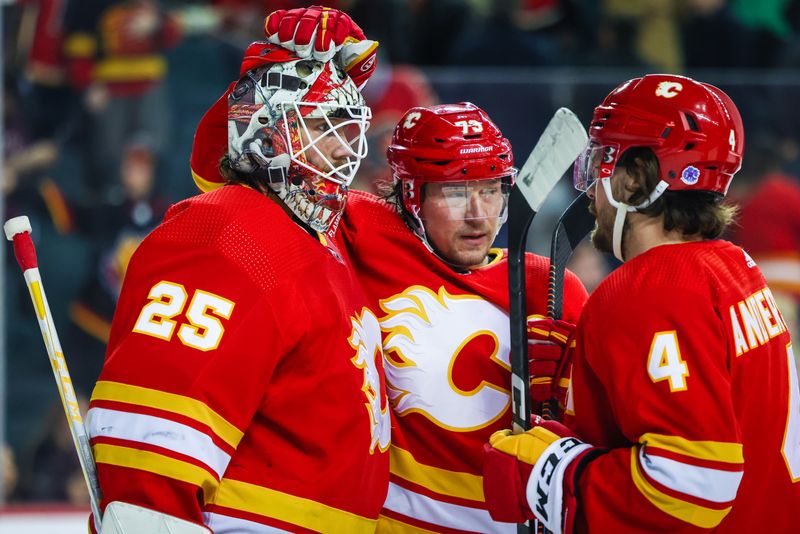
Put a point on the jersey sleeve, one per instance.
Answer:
(192, 346)
(656, 372)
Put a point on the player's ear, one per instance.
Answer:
(635, 180)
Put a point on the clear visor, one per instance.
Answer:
(595, 162)
(332, 140)
(469, 200)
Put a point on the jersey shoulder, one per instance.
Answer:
(681, 273)
(240, 226)
(368, 212)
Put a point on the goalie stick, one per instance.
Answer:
(120, 517)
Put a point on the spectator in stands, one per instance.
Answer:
(116, 52)
(53, 470)
(115, 228)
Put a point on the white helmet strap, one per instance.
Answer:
(623, 209)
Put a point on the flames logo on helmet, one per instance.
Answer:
(693, 128)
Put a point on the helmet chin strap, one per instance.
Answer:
(623, 209)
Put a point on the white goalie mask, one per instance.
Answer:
(300, 125)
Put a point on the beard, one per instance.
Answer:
(602, 239)
(602, 235)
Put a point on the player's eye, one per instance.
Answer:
(454, 192)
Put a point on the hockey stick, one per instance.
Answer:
(556, 150)
(18, 230)
(573, 225)
(120, 517)
(558, 146)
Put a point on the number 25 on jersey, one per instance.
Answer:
(202, 330)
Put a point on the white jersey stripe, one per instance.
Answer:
(225, 524)
(177, 437)
(410, 504)
(713, 485)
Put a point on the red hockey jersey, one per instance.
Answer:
(242, 386)
(684, 370)
(446, 344)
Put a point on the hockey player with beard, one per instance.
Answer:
(684, 394)
(242, 387)
(424, 256)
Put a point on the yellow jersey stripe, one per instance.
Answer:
(159, 464)
(305, 513)
(388, 525)
(205, 185)
(495, 255)
(442, 481)
(170, 402)
(715, 451)
(694, 514)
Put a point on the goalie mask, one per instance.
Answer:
(453, 155)
(299, 125)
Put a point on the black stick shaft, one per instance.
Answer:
(519, 222)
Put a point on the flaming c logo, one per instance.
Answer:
(668, 89)
(426, 332)
(411, 119)
(366, 340)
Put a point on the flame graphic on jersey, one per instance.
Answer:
(426, 333)
(366, 340)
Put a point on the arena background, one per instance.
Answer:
(94, 157)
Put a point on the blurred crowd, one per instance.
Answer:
(101, 98)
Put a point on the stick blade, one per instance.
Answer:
(559, 145)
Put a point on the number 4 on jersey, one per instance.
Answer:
(665, 363)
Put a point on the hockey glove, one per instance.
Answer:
(533, 474)
(322, 33)
(551, 344)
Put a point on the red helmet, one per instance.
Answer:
(446, 143)
(693, 128)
